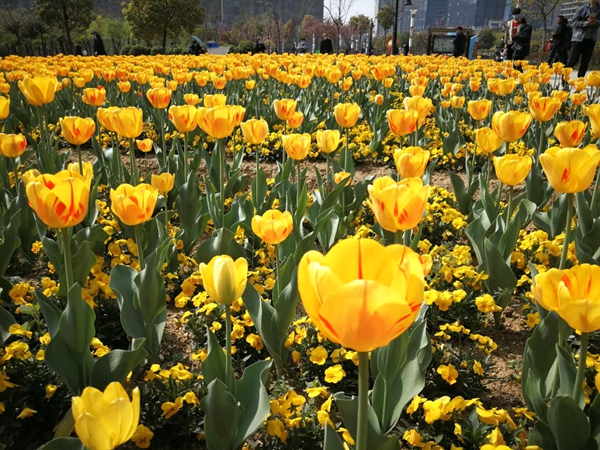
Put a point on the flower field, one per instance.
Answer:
(298, 252)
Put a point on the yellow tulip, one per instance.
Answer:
(163, 183)
(512, 169)
(191, 99)
(94, 96)
(224, 279)
(296, 120)
(570, 134)
(593, 113)
(185, 118)
(30, 176)
(402, 122)
(342, 177)
(133, 204)
(59, 200)
(487, 140)
(361, 295)
(398, 206)
(124, 86)
(255, 131)
(328, 140)
(411, 162)
(105, 115)
(12, 145)
(217, 122)
(274, 226)
(250, 84)
(296, 146)
(159, 98)
(420, 104)
(570, 170)
(237, 113)
(88, 169)
(378, 100)
(457, 102)
(593, 79)
(144, 145)
(284, 109)
(416, 90)
(346, 114)
(561, 95)
(479, 109)
(39, 90)
(347, 82)
(105, 420)
(4, 107)
(127, 122)
(578, 99)
(510, 126)
(210, 101)
(219, 82)
(505, 87)
(544, 108)
(573, 293)
(77, 130)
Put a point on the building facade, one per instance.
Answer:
(232, 11)
(569, 8)
(475, 13)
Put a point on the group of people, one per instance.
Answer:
(326, 46)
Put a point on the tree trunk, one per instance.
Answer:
(545, 33)
(164, 41)
(69, 43)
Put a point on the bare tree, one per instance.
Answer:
(360, 25)
(274, 10)
(337, 11)
(542, 10)
(14, 20)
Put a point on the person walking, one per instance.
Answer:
(522, 41)
(511, 32)
(99, 49)
(585, 35)
(326, 45)
(560, 41)
(459, 43)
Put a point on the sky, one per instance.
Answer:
(366, 7)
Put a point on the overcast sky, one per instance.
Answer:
(366, 7)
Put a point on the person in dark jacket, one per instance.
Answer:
(260, 46)
(326, 45)
(522, 41)
(459, 43)
(98, 45)
(560, 41)
(585, 34)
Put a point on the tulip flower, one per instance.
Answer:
(4, 107)
(512, 169)
(593, 79)
(210, 101)
(285, 108)
(361, 294)
(328, 140)
(217, 122)
(133, 205)
(297, 146)
(105, 420)
(237, 113)
(570, 170)
(185, 118)
(163, 183)
(144, 145)
(346, 114)
(570, 134)
(273, 227)
(487, 140)
(578, 99)
(295, 120)
(402, 122)
(250, 84)
(560, 95)
(224, 279)
(510, 126)
(59, 200)
(159, 98)
(479, 109)
(457, 102)
(39, 90)
(127, 122)
(191, 99)
(411, 162)
(342, 177)
(12, 145)
(420, 104)
(255, 131)
(94, 96)
(87, 169)
(77, 130)
(398, 206)
(593, 113)
(378, 100)
(105, 115)
(416, 91)
(544, 108)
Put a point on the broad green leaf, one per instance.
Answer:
(569, 424)
(115, 366)
(222, 415)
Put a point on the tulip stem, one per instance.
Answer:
(578, 388)
(595, 195)
(277, 281)
(347, 152)
(489, 171)
(80, 160)
(327, 173)
(565, 250)
(228, 366)
(298, 184)
(256, 150)
(138, 242)
(221, 150)
(363, 400)
(185, 153)
(540, 145)
(510, 204)
(282, 149)
(134, 177)
(162, 138)
(398, 235)
(66, 242)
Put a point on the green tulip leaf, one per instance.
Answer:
(63, 443)
(6, 320)
(115, 366)
(569, 424)
(222, 415)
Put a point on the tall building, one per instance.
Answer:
(231, 11)
(475, 13)
(432, 14)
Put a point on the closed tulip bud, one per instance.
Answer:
(88, 169)
(457, 102)
(415, 91)
(94, 96)
(172, 85)
(30, 176)
(191, 99)
(346, 83)
(578, 99)
(159, 98)
(510, 126)
(593, 79)
(593, 113)
(124, 86)
(285, 108)
(296, 120)
(255, 131)
(378, 99)
(402, 122)
(133, 204)
(398, 205)
(127, 122)
(237, 113)
(163, 183)
(342, 177)
(346, 114)
(411, 162)
(544, 108)
(144, 145)
(570, 170)
(105, 420)
(560, 95)
(4, 107)
(224, 279)
(274, 226)
(59, 200)
(487, 140)
(77, 130)
(250, 84)
(387, 82)
(105, 115)
(296, 146)
(217, 122)
(479, 109)
(328, 140)
(185, 118)
(512, 169)
(361, 295)
(505, 87)
(579, 85)
(573, 293)
(210, 101)
(570, 134)
(420, 104)
(12, 145)
(39, 90)
(219, 82)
